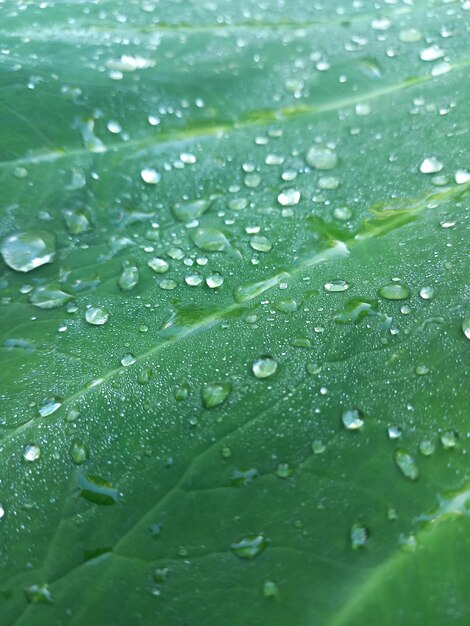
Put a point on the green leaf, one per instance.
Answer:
(235, 313)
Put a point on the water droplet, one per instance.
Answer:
(129, 278)
(394, 432)
(321, 158)
(160, 266)
(114, 127)
(356, 309)
(161, 574)
(168, 284)
(182, 392)
(270, 589)
(32, 452)
(210, 240)
(289, 197)
(352, 419)
(430, 165)
(249, 547)
(466, 327)
(150, 176)
(264, 367)
(77, 222)
(410, 35)
(427, 447)
(96, 316)
(334, 286)
(144, 376)
(426, 293)
(286, 306)
(49, 297)
(128, 359)
(318, 447)
(359, 536)
(214, 394)
(25, 251)
(2, 511)
(193, 280)
(432, 53)
(449, 439)
(79, 452)
(407, 542)
(214, 280)
(38, 594)
(421, 370)
(406, 464)
(187, 211)
(283, 470)
(461, 177)
(96, 489)
(241, 478)
(328, 182)
(260, 243)
(49, 406)
(342, 213)
(394, 291)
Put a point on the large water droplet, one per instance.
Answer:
(334, 286)
(249, 547)
(25, 251)
(96, 489)
(289, 197)
(49, 406)
(214, 394)
(260, 243)
(49, 297)
(32, 452)
(187, 211)
(160, 266)
(129, 278)
(77, 222)
(264, 367)
(394, 291)
(430, 165)
(406, 463)
(96, 316)
(150, 176)
(321, 158)
(210, 240)
(352, 419)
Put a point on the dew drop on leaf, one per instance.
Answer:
(318, 447)
(335, 286)
(128, 359)
(260, 243)
(249, 547)
(426, 293)
(49, 297)
(406, 464)
(96, 316)
(466, 327)
(32, 452)
(79, 452)
(321, 158)
(25, 251)
(426, 447)
(77, 222)
(264, 367)
(150, 176)
(38, 594)
(394, 291)
(129, 278)
(49, 406)
(359, 536)
(283, 470)
(449, 439)
(430, 165)
(289, 197)
(214, 394)
(352, 419)
(160, 266)
(214, 280)
(270, 589)
(96, 489)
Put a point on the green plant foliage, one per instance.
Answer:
(235, 313)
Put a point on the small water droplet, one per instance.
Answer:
(359, 536)
(79, 452)
(214, 394)
(25, 251)
(249, 547)
(283, 470)
(96, 489)
(210, 239)
(49, 406)
(432, 53)
(260, 243)
(394, 291)
(129, 278)
(318, 447)
(241, 478)
(353, 419)
(150, 176)
(160, 266)
(461, 177)
(264, 367)
(226, 452)
(188, 211)
(426, 293)
(270, 589)
(96, 316)
(77, 222)
(449, 439)
(334, 286)
(406, 464)
(430, 165)
(32, 452)
(182, 392)
(407, 542)
(410, 35)
(421, 370)
(38, 594)
(426, 447)
(394, 432)
(466, 327)
(128, 359)
(321, 158)
(214, 280)
(289, 197)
